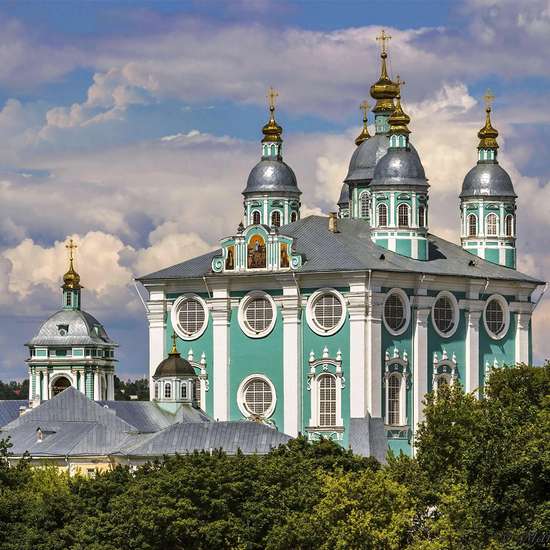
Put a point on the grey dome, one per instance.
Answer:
(174, 366)
(400, 167)
(81, 329)
(487, 179)
(344, 195)
(272, 175)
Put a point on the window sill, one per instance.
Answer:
(324, 428)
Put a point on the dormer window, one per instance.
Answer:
(63, 330)
(69, 299)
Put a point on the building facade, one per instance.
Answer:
(323, 325)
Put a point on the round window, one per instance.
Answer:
(326, 311)
(395, 312)
(257, 397)
(189, 317)
(444, 314)
(496, 316)
(258, 314)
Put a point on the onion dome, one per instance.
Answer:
(364, 135)
(71, 279)
(174, 365)
(272, 131)
(384, 90)
(488, 135)
(399, 119)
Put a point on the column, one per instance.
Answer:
(292, 353)
(97, 393)
(156, 316)
(523, 320)
(111, 386)
(221, 314)
(374, 353)
(32, 387)
(473, 315)
(420, 357)
(357, 360)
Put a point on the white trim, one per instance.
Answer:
(174, 316)
(497, 231)
(506, 312)
(255, 294)
(310, 315)
(240, 395)
(282, 220)
(407, 311)
(402, 399)
(456, 314)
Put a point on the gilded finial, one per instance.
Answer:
(174, 347)
(488, 135)
(383, 38)
(272, 131)
(384, 90)
(364, 135)
(399, 119)
(71, 279)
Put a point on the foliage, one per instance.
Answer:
(480, 480)
(14, 390)
(131, 389)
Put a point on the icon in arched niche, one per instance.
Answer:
(256, 252)
(230, 259)
(284, 255)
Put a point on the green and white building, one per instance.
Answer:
(339, 326)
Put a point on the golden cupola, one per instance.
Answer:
(272, 131)
(384, 90)
(399, 120)
(364, 135)
(488, 135)
(71, 279)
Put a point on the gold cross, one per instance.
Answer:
(383, 38)
(399, 82)
(271, 95)
(174, 338)
(365, 108)
(488, 97)
(70, 247)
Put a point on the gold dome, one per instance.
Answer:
(71, 279)
(364, 135)
(384, 90)
(488, 135)
(272, 131)
(399, 119)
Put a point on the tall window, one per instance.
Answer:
(276, 219)
(509, 225)
(327, 400)
(382, 214)
(403, 215)
(492, 225)
(472, 225)
(422, 217)
(167, 390)
(394, 400)
(293, 217)
(183, 390)
(197, 391)
(365, 205)
(156, 390)
(69, 299)
(256, 217)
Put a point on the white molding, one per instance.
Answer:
(472, 317)
(310, 315)
(420, 364)
(522, 337)
(406, 307)
(374, 353)
(253, 295)
(456, 314)
(240, 395)
(174, 316)
(506, 311)
(220, 311)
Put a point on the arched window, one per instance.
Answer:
(293, 217)
(256, 217)
(327, 400)
(509, 225)
(382, 214)
(167, 390)
(183, 390)
(472, 225)
(403, 215)
(276, 219)
(492, 225)
(422, 217)
(365, 205)
(394, 400)
(156, 390)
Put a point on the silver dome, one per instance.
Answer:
(400, 167)
(270, 176)
(487, 179)
(81, 329)
(344, 195)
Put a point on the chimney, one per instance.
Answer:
(39, 435)
(332, 222)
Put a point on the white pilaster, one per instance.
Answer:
(522, 336)
(292, 353)
(111, 386)
(97, 393)
(357, 360)
(473, 315)
(221, 313)
(374, 353)
(156, 316)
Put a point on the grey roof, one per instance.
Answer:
(272, 176)
(10, 410)
(367, 437)
(82, 330)
(487, 179)
(366, 157)
(399, 167)
(351, 249)
(249, 437)
(344, 195)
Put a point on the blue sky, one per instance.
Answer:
(114, 114)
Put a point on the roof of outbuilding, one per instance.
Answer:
(351, 249)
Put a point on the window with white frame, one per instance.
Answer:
(496, 316)
(472, 225)
(189, 316)
(365, 204)
(422, 216)
(327, 400)
(257, 314)
(183, 390)
(256, 397)
(445, 314)
(393, 416)
(325, 311)
(492, 225)
(276, 218)
(167, 390)
(509, 225)
(396, 312)
(256, 218)
(403, 215)
(382, 215)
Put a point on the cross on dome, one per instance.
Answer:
(71, 247)
(365, 108)
(383, 38)
(489, 98)
(272, 94)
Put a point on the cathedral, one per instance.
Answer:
(332, 326)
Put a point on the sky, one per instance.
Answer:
(132, 127)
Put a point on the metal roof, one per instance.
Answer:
(487, 179)
(399, 167)
(343, 200)
(10, 410)
(272, 176)
(352, 249)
